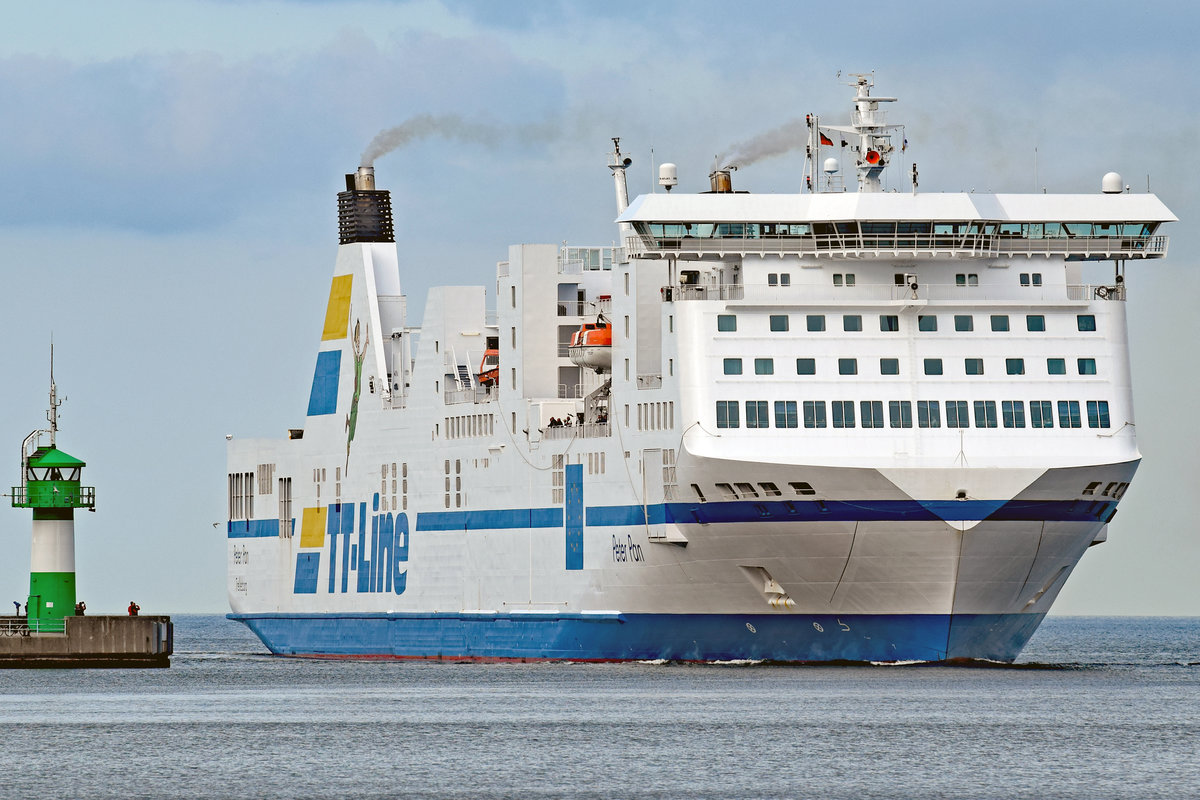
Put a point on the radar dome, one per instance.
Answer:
(668, 175)
(1111, 183)
(831, 165)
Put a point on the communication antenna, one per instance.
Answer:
(55, 403)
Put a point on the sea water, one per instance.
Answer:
(1094, 708)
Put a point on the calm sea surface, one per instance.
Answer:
(1096, 708)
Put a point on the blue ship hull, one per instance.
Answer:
(640, 637)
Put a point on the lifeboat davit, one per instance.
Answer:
(591, 347)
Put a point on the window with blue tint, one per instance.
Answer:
(929, 414)
(1087, 366)
(756, 414)
(837, 279)
(889, 366)
(973, 366)
(964, 322)
(806, 366)
(1037, 279)
(843, 413)
(847, 366)
(764, 366)
(900, 413)
(927, 322)
(785, 413)
(956, 414)
(785, 279)
(852, 322)
(1013, 412)
(773, 279)
(985, 413)
(816, 322)
(1041, 414)
(889, 323)
(727, 414)
(971, 279)
(1014, 366)
(726, 322)
(933, 366)
(814, 414)
(733, 366)
(1068, 414)
(779, 322)
(1056, 366)
(1097, 411)
(1035, 322)
(1024, 278)
(872, 413)
(1086, 322)
(1000, 322)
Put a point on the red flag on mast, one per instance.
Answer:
(825, 140)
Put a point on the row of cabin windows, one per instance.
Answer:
(890, 323)
(900, 413)
(747, 490)
(1023, 230)
(891, 366)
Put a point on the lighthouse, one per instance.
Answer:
(50, 485)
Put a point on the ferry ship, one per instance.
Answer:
(863, 426)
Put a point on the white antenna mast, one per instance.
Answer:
(52, 414)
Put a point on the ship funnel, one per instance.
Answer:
(721, 181)
(364, 179)
(364, 213)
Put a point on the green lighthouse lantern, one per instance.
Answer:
(51, 487)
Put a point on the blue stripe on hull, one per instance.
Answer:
(622, 637)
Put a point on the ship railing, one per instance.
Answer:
(474, 394)
(572, 267)
(887, 294)
(590, 430)
(852, 245)
(575, 308)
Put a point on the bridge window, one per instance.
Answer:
(1013, 412)
(843, 413)
(727, 414)
(814, 414)
(872, 413)
(956, 414)
(985, 413)
(929, 414)
(756, 414)
(900, 413)
(1041, 414)
(785, 414)
(1068, 414)
(1097, 411)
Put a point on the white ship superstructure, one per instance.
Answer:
(869, 426)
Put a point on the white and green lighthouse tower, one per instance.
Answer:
(50, 485)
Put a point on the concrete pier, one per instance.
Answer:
(88, 641)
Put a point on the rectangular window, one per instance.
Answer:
(1014, 366)
(927, 322)
(1000, 322)
(889, 323)
(779, 322)
(956, 414)
(1014, 413)
(929, 414)
(785, 413)
(933, 366)
(973, 366)
(726, 322)
(900, 413)
(889, 366)
(971, 279)
(1056, 366)
(1097, 411)
(964, 322)
(1024, 278)
(756, 414)
(837, 279)
(847, 366)
(1087, 366)
(872, 413)
(733, 366)
(772, 279)
(1035, 322)
(785, 279)
(852, 322)
(802, 487)
(1086, 322)
(1068, 414)
(806, 366)
(1037, 279)
(814, 414)
(843, 413)
(985, 413)
(1041, 415)
(727, 414)
(816, 322)
(764, 366)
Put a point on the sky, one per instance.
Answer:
(168, 212)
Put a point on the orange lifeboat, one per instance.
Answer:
(591, 347)
(489, 368)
